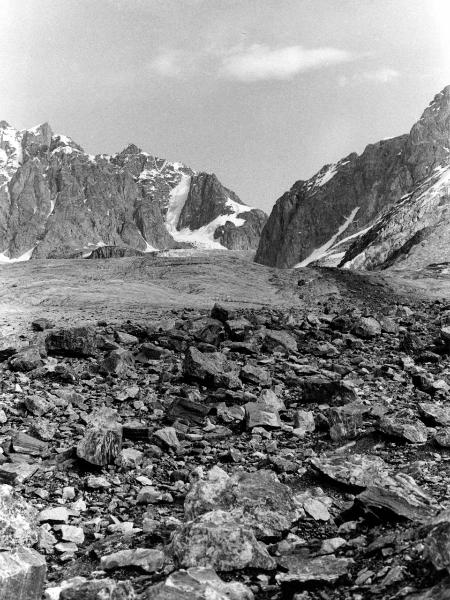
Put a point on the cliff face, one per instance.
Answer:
(57, 200)
(314, 219)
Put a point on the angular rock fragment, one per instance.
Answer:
(400, 495)
(268, 505)
(26, 360)
(366, 327)
(279, 341)
(73, 341)
(102, 440)
(22, 574)
(323, 569)
(18, 520)
(212, 369)
(198, 583)
(359, 470)
(258, 414)
(97, 589)
(404, 426)
(147, 559)
(219, 540)
(119, 362)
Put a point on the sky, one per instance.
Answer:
(260, 92)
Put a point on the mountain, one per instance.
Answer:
(58, 201)
(363, 199)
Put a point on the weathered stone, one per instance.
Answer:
(403, 425)
(102, 440)
(260, 415)
(211, 369)
(119, 362)
(96, 589)
(217, 540)
(74, 341)
(26, 360)
(400, 495)
(366, 327)
(147, 559)
(255, 375)
(359, 470)
(198, 583)
(18, 520)
(26, 444)
(22, 575)
(268, 505)
(280, 341)
(324, 569)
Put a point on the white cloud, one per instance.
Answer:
(258, 62)
(247, 63)
(381, 75)
(167, 64)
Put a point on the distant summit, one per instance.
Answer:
(58, 201)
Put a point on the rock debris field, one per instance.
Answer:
(220, 454)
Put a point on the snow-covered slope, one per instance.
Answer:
(58, 201)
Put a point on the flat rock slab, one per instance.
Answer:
(198, 584)
(22, 575)
(358, 470)
(400, 495)
(147, 559)
(219, 541)
(323, 569)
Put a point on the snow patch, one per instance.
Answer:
(177, 199)
(321, 252)
(22, 258)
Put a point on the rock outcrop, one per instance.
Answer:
(320, 218)
(56, 201)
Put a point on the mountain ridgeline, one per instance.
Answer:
(57, 201)
(389, 206)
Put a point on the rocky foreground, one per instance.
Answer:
(214, 455)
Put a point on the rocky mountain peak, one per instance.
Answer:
(318, 219)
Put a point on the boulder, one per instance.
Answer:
(118, 362)
(72, 341)
(148, 559)
(211, 369)
(219, 540)
(22, 574)
(197, 583)
(18, 520)
(102, 440)
(401, 496)
(268, 505)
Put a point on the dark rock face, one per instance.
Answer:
(343, 199)
(56, 201)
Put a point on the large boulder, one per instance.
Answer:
(22, 574)
(72, 341)
(219, 540)
(267, 505)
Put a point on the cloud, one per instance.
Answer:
(247, 63)
(381, 75)
(168, 64)
(258, 62)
